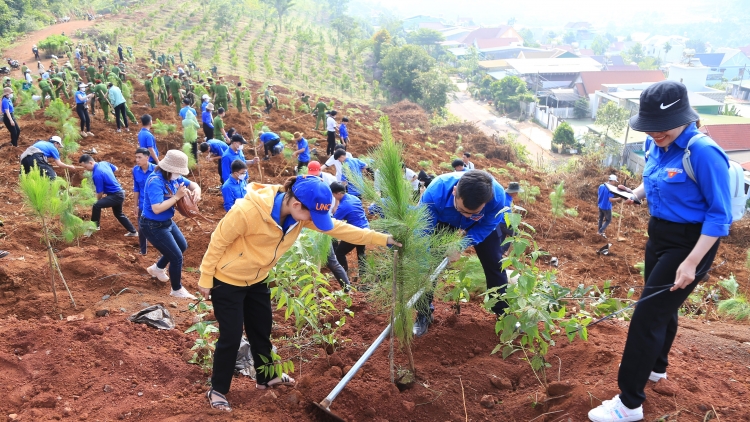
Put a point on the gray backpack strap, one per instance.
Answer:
(686, 157)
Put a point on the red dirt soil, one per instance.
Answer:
(108, 368)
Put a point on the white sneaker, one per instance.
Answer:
(159, 273)
(614, 411)
(131, 234)
(655, 376)
(182, 294)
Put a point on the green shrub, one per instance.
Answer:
(54, 44)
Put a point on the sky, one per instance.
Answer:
(558, 12)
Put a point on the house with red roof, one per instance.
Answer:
(734, 139)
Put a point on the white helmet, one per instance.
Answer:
(56, 139)
(205, 97)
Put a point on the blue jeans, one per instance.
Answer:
(167, 238)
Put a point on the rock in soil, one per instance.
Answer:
(488, 401)
(107, 388)
(102, 312)
(665, 387)
(335, 372)
(408, 406)
(558, 388)
(501, 383)
(292, 399)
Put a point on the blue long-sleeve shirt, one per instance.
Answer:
(226, 162)
(146, 140)
(439, 200)
(207, 119)
(350, 210)
(139, 182)
(675, 197)
(217, 147)
(268, 136)
(356, 166)
(231, 191)
(156, 191)
(104, 178)
(604, 195)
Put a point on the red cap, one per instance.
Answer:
(313, 168)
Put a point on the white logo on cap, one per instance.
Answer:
(664, 107)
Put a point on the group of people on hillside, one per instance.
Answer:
(688, 216)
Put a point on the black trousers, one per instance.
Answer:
(221, 176)
(45, 169)
(654, 324)
(208, 131)
(331, 146)
(235, 306)
(490, 254)
(114, 201)
(83, 114)
(343, 248)
(268, 146)
(301, 164)
(121, 115)
(15, 130)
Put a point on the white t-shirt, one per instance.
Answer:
(409, 175)
(468, 165)
(331, 124)
(332, 162)
(328, 178)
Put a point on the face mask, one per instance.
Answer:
(242, 147)
(243, 176)
(175, 176)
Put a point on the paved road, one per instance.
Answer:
(468, 109)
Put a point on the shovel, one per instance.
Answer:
(619, 224)
(325, 405)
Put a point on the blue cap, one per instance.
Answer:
(313, 193)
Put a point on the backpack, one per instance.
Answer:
(736, 181)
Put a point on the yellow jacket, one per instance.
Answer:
(247, 242)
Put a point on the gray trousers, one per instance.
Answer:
(605, 217)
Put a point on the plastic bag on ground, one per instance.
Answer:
(244, 364)
(155, 316)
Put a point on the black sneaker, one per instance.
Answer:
(266, 158)
(421, 325)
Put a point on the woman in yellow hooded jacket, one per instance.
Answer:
(244, 248)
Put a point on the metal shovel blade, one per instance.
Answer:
(328, 413)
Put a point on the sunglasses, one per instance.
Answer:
(467, 214)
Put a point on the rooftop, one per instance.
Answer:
(710, 59)
(558, 65)
(714, 119)
(488, 43)
(486, 33)
(493, 64)
(729, 137)
(593, 81)
(564, 94)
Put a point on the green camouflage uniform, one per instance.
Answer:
(320, 114)
(220, 94)
(150, 92)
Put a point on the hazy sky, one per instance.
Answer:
(551, 12)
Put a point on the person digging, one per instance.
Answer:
(606, 198)
(109, 192)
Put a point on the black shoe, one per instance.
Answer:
(265, 158)
(3, 254)
(421, 325)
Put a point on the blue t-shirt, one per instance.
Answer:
(81, 97)
(49, 149)
(356, 166)
(226, 162)
(139, 182)
(231, 191)
(158, 190)
(439, 200)
(305, 155)
(207, 119)
(268, 136)
(104, 178)
(185, 110)
(350, 210)
(217, 147)
(203, 107)
(604, 195)
(675, 197)
(7, 106)
(343, 132)
(146, 140)
(289, 221)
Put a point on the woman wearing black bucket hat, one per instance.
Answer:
(687, 219)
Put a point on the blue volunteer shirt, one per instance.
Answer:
(48, 149)
(146, 140)
(439, 200)
(104, 178)
(207, 119)
(268, 136)
(7, 106)
(343, 132)
(675, 197)
(604, 195)
(139, 182)
(356, 166)
(231, 191)
(289, 222)
(203, 107)
(226, 162)
(185, 110)
(81, 97)
(158, 190)
(350, 210)
(217, 147)
(305, 155)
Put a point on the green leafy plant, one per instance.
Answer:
(205, 345)
(469, 279)
(736, 306)
(162, 129)
(557, 200)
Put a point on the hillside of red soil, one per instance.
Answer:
(106, 368)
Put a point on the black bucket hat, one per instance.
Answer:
(664, 106)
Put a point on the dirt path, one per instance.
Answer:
(21, 50)
(467, 108)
